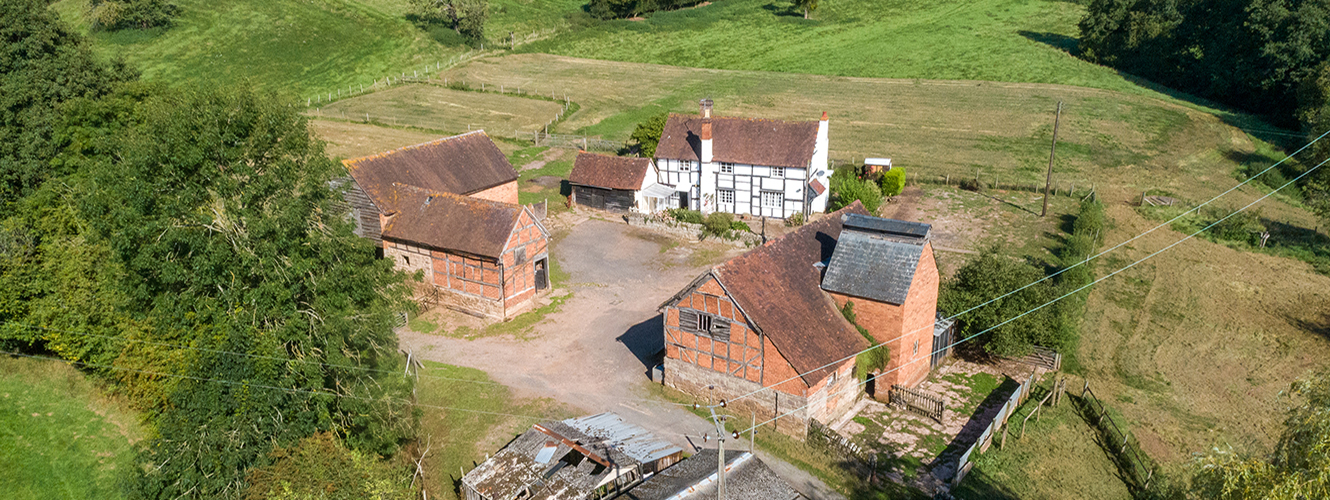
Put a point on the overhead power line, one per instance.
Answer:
(1063, 270)
(1068, 294)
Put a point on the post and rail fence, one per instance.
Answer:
(964, 465)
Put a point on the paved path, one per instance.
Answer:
(595, 353)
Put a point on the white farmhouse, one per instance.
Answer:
(750, 166)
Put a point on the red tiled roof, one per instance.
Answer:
(817, 187)
(610, 172)
(778, 288)
(461, 164)
(740, 140)
(450, 222)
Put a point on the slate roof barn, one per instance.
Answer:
(773, 318)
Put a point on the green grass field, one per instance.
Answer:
(458, 438)
(60, 436)
(994, 40)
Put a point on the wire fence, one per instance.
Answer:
(1135, 466)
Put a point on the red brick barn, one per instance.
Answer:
(483, 256)
(468, 164)
(763, 320)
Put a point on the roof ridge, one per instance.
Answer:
(440, 140)
(745, 118)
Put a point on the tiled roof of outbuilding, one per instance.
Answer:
(748, 141)
(778, 287)
(461, 164)
(610, 172)
(444, 221)
(876, 258)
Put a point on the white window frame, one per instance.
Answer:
(778, 172)
(725, 196)
(777, 196)
(726, 168)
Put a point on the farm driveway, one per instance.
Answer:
(594, 353)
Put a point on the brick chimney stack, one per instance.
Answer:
(705, 133)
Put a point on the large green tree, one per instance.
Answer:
(1314, 114)
(991, 275)
(467, 17)
(647, 134)
(43, 64)
(1298, 469)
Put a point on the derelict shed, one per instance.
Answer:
(579, 458)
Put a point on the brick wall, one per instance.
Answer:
(906, 329)
(740, 355)
(526, 244)
(506, 193)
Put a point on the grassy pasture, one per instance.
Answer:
(60, 436)
(457, 438)
(444, 109)
(994, 40)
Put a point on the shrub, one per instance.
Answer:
(137, 14)
(685, 215)
(971, 185)
(795, 220)
(320, 466)
(1240, 226)
(893, 182)
(647, 135)
(740, 226)
(718, 224)
(848, 189)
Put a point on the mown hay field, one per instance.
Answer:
(448, 110)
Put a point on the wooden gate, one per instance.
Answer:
(917, 400)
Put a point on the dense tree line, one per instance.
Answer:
(187, 246)
(616, 9)
(1252, 54)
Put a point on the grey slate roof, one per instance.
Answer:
(746, 478)
(893, 227)
(876, 258)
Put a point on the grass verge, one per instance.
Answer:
(460, 439)
(60, 436)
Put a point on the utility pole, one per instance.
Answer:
(719, 420)
(1052, 153)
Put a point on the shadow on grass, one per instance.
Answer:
(1061, 42)
(783, 10)
(979, 484)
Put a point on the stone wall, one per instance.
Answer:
(693, 232)
(764, 405)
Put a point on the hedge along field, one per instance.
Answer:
(995, 40)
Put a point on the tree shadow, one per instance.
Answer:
(783, 10)
(1061, 42)
(646, 340)
(979, 484)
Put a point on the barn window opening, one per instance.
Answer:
(705, 324)
(916, 347)
(406, 259)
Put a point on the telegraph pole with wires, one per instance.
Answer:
(1052, 153)
(719, 421)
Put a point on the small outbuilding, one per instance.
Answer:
(580, 458)
(617, 184)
